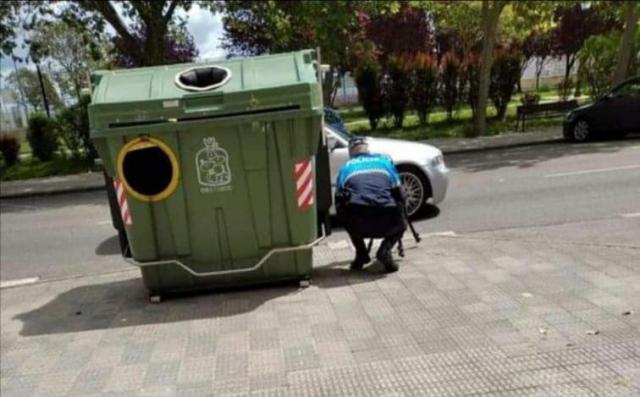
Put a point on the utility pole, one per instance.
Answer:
(44, 92)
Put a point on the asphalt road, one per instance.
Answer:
(589, 193)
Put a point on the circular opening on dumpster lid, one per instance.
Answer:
(148, 169)
(202, 78)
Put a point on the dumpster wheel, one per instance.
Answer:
(148, 168)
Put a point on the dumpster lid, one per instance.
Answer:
(179, 81)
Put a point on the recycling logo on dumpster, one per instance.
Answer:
(212, 166)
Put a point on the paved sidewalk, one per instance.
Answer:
(463, 316)
(52, 185)
(95, 181)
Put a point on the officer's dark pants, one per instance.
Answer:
(365, 222)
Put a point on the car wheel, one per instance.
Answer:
(581, 131)
(416, 188)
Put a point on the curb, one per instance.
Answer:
(92, 188)
(508, 146)
(40, 193)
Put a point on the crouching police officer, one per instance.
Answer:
(369, 201)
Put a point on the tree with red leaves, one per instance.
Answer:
(573, 26)
(407, 31)
(424, 85)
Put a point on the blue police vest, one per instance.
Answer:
(369, 178)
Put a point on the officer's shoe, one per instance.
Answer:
(360, 261)
(385, 257)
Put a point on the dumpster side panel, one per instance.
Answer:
(175, 206)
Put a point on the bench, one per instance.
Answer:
(540, 110)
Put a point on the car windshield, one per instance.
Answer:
(344, 135)
(630, 88)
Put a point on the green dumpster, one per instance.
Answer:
(213, 167)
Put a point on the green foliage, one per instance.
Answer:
(598, 61)
(450, 82)
(505, 73)
(42, 137)
(34, 168)
(564, 88)
(396, 88)
(9, 148)
(65, 129)
(459, 17)
(26, 81)
(424, 80)
(74, 51)
(72, 126)
(367, 79)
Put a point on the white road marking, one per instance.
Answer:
(103, 223)
(631, 215)
(409, 237)
(627, 167)
(18, 282)
(448, 233)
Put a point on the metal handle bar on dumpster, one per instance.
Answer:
(230, 271)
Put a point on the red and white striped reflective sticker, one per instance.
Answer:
(122, 202)
(303, 175)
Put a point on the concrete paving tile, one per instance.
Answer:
(455, 323)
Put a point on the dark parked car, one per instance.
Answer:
(615, 114)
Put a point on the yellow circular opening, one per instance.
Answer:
(148, 168)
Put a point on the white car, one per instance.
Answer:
(422, 169)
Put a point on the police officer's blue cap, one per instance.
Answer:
(356, 141)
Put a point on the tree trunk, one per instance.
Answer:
(626, 49)
(567, 69)
(77, 86)
(539, 67)
(327, 86)
(491, 11)
(154, 46)
(156, 29)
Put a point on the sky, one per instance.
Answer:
(204, 26)
(206, 29)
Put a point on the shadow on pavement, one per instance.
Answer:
(429, 211)
(110, 246)
(125, 303)
(530, 156)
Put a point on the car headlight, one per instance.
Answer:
(437, 161)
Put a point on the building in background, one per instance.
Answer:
(552, 74)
